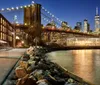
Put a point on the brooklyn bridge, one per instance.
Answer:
(34, 16)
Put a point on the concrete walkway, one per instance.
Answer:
(7, 60)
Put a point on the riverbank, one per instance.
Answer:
(55, 48)
(36, 68)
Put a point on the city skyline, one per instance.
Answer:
(69, 11)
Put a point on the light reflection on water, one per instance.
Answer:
(84, 63)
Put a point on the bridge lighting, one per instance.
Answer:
(42, 7)
(2, 9)
(7, 8)
(45, 9)
(57, 18)
(17, 7)
(33, 2)
(52, 15)
(12, 8)
(28, 5)
(21, 6)
(25, 6)
(48, 12)
(17, 37)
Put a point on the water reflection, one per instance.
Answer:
(84, 63)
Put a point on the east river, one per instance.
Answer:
(84, 63)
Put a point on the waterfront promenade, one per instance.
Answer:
(8, 59)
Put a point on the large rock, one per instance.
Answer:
(20, 72)
(23, 64)
(27, 80)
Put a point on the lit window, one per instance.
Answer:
(1, 20)
(1, 35)
(1, 28)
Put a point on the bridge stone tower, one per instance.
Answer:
(97, 21)
(32, 18)
(32, 14)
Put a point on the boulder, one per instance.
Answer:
(20, 72)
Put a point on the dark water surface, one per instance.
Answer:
(84, 63)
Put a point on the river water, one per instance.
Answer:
(84, 63)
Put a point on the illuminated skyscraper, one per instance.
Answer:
(97, 21)
(86, 26)
(79, 24)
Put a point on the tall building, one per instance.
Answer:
(97, 21)
(79, 24)
(64, 25)
(7, 32)
(86, 26)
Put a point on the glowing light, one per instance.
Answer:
(52, 15)
(22, 42)
(33, 2)
(17, 8)
(48, 12)
(7, 8)
(42, 7)
(45, 10)
(12, 8)
(25, 6)
(17, 37)
(2, 9)
(28, 5)
(25, 23)
(57, 19)
(21, 6)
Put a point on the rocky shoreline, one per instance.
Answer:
(34, 68)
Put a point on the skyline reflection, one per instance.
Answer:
(83, 64)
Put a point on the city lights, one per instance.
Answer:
(17, 8)
(2, 9)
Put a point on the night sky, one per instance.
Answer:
(71, 11)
